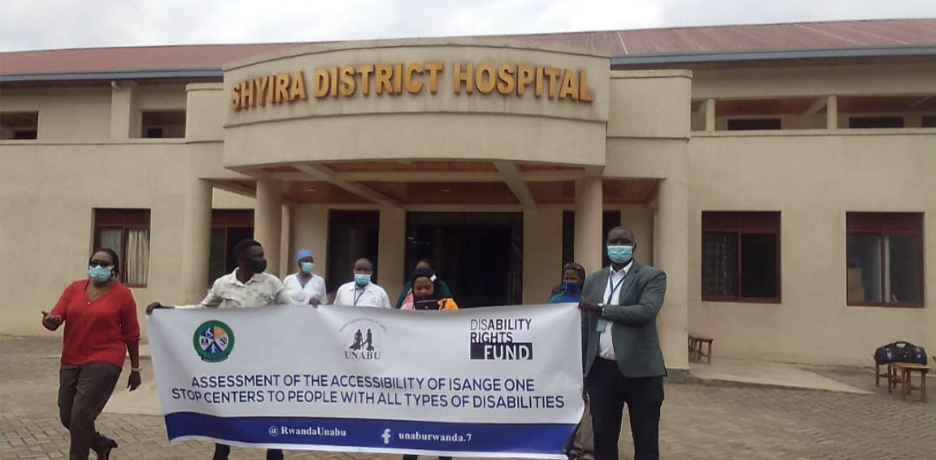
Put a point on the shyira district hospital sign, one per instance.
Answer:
(412, 78)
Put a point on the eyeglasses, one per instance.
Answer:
(100, 263)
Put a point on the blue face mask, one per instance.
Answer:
(571, 287)
(307, 267)
(362, 279)
(100, 274)
(620, 254)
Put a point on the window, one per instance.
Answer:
(884, 264)
(752, 124)
(875, 122)
(19, 125)
(741, 256)
(158, 124)
(127, 232)
(928, 121)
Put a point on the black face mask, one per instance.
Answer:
(257, 266)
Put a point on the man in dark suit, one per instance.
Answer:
(623, 360)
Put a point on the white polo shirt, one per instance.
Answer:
(372, 295)
(314, 289)
(260, 290)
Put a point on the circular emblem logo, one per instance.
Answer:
(214, 341)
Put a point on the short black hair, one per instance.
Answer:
(425, 261)
(113, 255)
(241, 247)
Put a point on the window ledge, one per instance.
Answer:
(170, 141)
(885, 305)
(817, 132)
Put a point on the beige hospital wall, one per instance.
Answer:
(813, 180)
(542, 252)
(47, 229)
(65, 114)
(648, 132)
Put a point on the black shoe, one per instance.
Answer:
(103, 452)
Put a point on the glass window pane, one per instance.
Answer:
(759, 266)
(864, 268)
(111, 238)
(904, 262)
(137, 263)
(720, 264)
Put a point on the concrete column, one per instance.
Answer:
(542, 253)
(196, 239)
(709, 117)
(126, 120)
(670, 253)
(832, 112)
(268, 221)
(589, 241)
(391, 250)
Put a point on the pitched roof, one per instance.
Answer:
(762, 38)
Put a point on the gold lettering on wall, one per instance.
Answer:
(412, 78)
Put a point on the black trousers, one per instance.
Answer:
(413, 457)
(608, 391)
(223, 450)
(83, 393)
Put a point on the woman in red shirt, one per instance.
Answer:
(100, 319)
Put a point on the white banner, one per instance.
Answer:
(490, 382)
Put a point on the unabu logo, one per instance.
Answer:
(214, 341)
(365, 339)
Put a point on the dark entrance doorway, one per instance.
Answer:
(478, 254)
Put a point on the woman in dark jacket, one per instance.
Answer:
(100, 318)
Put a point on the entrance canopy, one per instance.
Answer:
(469, 111)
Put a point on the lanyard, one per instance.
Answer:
(614, 287)
(357, 296)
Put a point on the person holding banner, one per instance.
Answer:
(405, 301)
(573, 276)
(427, 292)
(245, 287)
(362, 292)
(305, 286)
(100, 318)
(623, 359)
(581, 446)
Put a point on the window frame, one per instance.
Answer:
(887, 223)
(124, 219)
(747, 227)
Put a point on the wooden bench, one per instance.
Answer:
(700, 347)
(905, 379)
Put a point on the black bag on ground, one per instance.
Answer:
(904, 352)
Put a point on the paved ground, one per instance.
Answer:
(699, 421)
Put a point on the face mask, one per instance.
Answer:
(100, 274)
(620, 254)
(571, 287)
(362, 279)
(307, 267)
(258, 266)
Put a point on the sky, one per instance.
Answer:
(51, 24)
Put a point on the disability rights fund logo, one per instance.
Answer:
(501, 339)
(214, 341)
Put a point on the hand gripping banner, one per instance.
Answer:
(484, 382)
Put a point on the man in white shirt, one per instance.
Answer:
(361, 292)
(246, 287)
(305, 286)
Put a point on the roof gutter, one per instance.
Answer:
(779, 55)
(616, 62)
(113, 75)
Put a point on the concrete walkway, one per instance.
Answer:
(750, 372)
